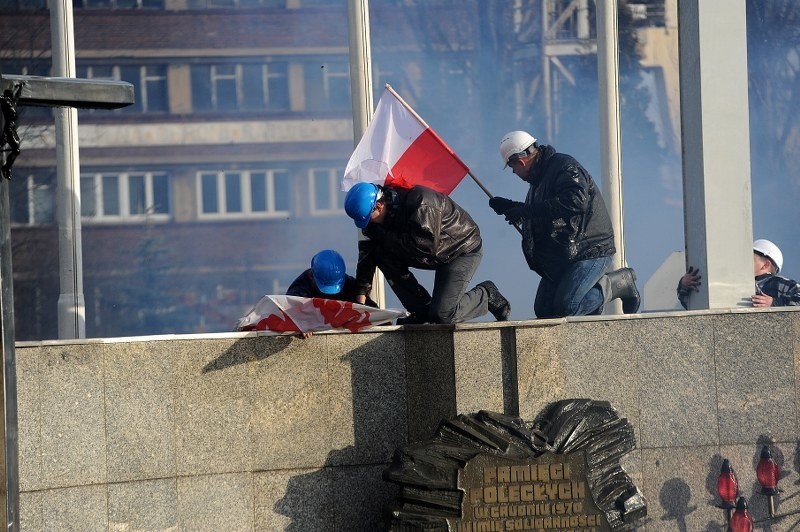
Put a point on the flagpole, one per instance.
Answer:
(425, 124)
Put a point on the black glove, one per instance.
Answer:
(501, 205)
(517, 213)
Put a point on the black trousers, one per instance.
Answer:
(450, 302)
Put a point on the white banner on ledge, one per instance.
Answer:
(312, 314)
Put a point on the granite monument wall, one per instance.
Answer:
(242, 431)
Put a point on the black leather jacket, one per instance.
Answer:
(423, 229)
(568, 219)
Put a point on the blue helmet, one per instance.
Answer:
(360, 202)
(329, 271)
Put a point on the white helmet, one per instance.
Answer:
(515, 142)
(765, 248)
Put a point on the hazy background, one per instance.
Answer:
(472, 70)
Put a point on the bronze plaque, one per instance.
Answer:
(548, 493)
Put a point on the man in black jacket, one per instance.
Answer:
(567, 236)
(422, 228)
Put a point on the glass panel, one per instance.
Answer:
(280, 189)
(101, 71)
(253, 86)
(132, 74)
(201, 88)
(209, 192)
(224, 79)
(233, 193)
(226, 95)
(44, 204)
(156, 88)
(110, 191)
(160, 194)
(88, 198)
(322, 193)
(153, 4)
(136, 194)
(278, 86)
(258, 191)
(18, 200)
(315, 93)
(339, 91)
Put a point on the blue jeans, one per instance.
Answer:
(575, 292)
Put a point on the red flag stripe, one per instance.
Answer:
(430, 163)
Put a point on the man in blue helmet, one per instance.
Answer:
(422, 228)
(327, 278)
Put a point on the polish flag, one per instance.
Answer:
(401, 150)
(293, 314)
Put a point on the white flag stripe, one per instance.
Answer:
(302, 314)
(390, 133)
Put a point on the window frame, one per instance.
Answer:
(124, 198)
(246, 194)
(35, 183)
(335, 207)
(141, 86)
(271, 73)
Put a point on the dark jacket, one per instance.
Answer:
(423, 229)
(567, 218)
(305, 286)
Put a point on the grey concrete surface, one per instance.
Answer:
(245, 431)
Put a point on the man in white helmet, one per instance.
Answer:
(567, 236)
(772, 290)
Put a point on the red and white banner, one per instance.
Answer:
(312, 314)
(399, 149)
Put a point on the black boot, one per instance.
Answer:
(411, 319)
(498, 305)
(623, 286)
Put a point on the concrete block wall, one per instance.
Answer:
(260, 433)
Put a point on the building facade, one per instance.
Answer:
(223, 178)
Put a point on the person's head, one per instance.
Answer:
(767, 257)
(363, 203)
(518, 150)
(328, 270)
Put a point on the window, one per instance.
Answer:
(119, 4)
(328, 86)
(13, 5)
(211, 4)
(240, 87)
(32, 199)
(246, 193)
(149, 84)
(327, 196)
(125, 196)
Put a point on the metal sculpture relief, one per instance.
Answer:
(493, 472)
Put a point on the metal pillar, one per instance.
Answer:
(716, 150)
(9, 459)
(71, 304)
(361, 93)
(610, 142)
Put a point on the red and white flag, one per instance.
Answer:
(312, 314)
(399, 149)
